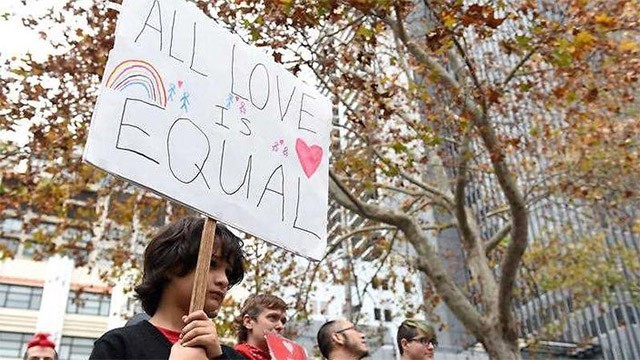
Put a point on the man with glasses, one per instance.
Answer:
(341, 340)
(416, 340)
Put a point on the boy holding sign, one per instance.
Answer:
(165, 292)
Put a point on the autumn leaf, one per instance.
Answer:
(627, 45)
(584, 39)
(605, 20)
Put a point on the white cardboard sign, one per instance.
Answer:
(191, 112)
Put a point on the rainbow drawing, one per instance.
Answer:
(138, 73)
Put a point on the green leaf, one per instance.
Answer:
(399, 147)
(524, 42)
(365, 32)
(562, 58)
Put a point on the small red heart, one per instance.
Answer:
(309, 157)
(179, 83)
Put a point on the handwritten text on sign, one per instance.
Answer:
(193, 113)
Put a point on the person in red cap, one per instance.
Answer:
(41, 348)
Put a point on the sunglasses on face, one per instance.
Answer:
(353, 327)
(426, 341)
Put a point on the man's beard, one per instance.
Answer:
(359, 352)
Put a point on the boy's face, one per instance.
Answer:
(267, 321)
(418, 348)
(179, 288)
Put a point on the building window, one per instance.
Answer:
(619, 317)
(32, 248)
(632, 317)
(377, 314)
(319, 307)
(77, 244)
(601, 323)
(12, 225)
(77, 235)
(80, 211)
(387, 315)
(13, 345)
(86, 303)
(75, 348)
(45, 228)
(20, 297)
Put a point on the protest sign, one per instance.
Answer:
(190, 111)
(284, 349)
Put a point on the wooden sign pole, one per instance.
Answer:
(199, 292)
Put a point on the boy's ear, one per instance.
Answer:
(404, 343)
(247, 322)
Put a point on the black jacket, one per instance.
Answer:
(141, 341)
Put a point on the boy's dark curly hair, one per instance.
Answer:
(174, 252)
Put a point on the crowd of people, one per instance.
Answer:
(172, 332)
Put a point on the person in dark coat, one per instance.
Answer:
(165, 293)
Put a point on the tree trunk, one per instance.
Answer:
(500, 349)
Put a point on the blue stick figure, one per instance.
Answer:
(185, 101)
(172, 91)
(229, 101)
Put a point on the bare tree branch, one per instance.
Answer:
(440, 227)
(428, 261)
(468, 237)
(496, 239)
(519, 65)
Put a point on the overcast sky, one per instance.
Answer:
(17, 39)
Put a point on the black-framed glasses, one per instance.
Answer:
(352, 327)
(426, 341)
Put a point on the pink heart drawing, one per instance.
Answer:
(180, 83)
(309, 157)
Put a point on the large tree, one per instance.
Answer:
(453, 116)
(470, 116)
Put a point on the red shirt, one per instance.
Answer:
(172, 336)
(252, 352)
